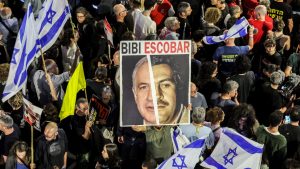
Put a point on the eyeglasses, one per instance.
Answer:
(80, 16)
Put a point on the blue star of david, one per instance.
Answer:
(13, 59)
(230, 160)
(50, 14)
(181, 164)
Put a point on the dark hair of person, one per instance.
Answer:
(182, 6)
(207, 69)
(243, 64)
(214, 115)
(114, 159)
(241, 111)
(148, 4)
(20, 146)
(231, 21)
(67, 36)
(198, 35)
(151, 36)
(295, 114)
(99, 28)
(51, 113)
(128, 36)
(150, 164)
(275, 118)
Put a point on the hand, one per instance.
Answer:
(251, 29)
(32, 166)
(121, 139)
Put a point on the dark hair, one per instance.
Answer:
(275, 118)
(295, 114)
(231, 21)
(114, 159)
(51, 113)
(243, 64)
(80, 101)
(241, 111)
(101, 73)
(150, 164)
(207, 69)
(198, 35)
(128, 36)
(182, 6)
(148, 4)
(11, 161)
(84, 11)
(67, 36)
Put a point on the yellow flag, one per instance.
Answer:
(76, 83)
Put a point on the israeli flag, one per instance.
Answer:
(234, 151)
(178, 139)
(187, 157)
(239, 29)
(23, 54)
(51, 20)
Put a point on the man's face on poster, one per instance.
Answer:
(165, 92)
(142, 94)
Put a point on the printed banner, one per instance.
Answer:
(32, 114)
(155, 78)
(102, 109)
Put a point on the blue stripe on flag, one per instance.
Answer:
(196, 144)
(54, 29)
(240, 20)
(175, 134)
(212, 162)
(244, 144)
(20, 65)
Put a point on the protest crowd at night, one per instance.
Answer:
(146, 84)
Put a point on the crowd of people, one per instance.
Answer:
(249, 83)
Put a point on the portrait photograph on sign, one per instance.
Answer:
(155, 86)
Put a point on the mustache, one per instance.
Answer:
(161, 102)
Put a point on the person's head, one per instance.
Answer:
(243, 116)
(260, 12)
(198, 36)
(266, 3)
(69, 37)
(82, 107)
(149, 164)
(106, 94)
(16, 101)
(212, 15)
(231, 21)
(230, 87)
(135, 3)
(275, 118)
(149, 4)
(128, 36)
(276, 78)
(110, 153)
(198, 115)
(270, 46)
(51, 112)
(235, 11)
(101, 73)
(6, 123)
(141, 87)
(295, 114)
(4, 70)
(269, 69)
(215, 115)
(168, 83)
(208, 70)
(184, 9)
(194, 89)
(243, 64)
(172, 23)
(120, 11)
(51, 131)
(217, 2)
(19, 150)
(51, 66)
(82, 14)
(278, 24)
(5, 13)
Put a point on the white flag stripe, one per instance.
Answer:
(234, 151)
(23, 55)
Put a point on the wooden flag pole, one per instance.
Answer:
(52, 89)
(32, 165)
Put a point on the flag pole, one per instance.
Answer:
(52, 89)
(32, 165)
